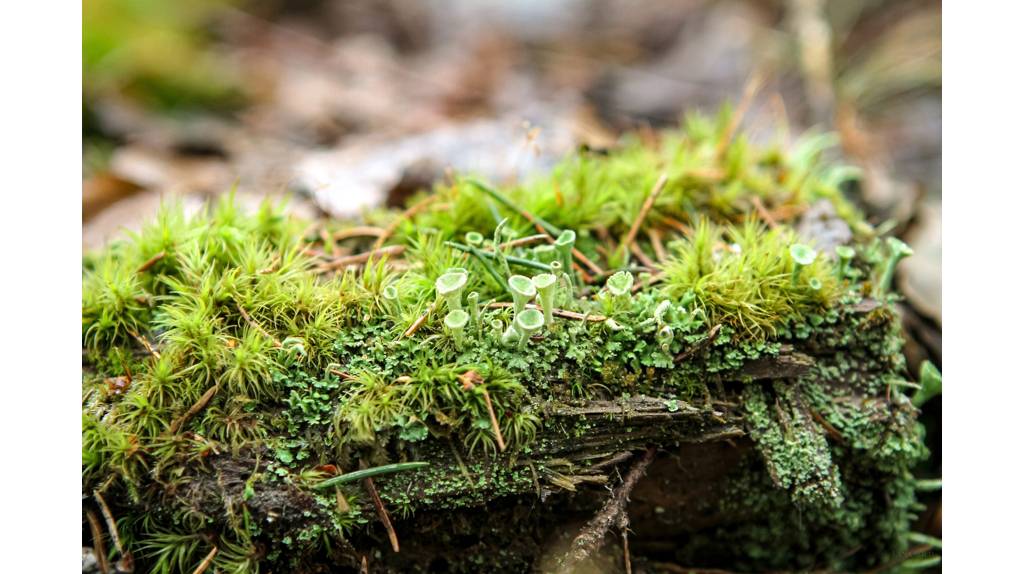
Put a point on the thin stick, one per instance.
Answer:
(639, 253)
(151, 262)
(494, 421)
(749, 91)
(645, 284)
(556, 312)
(255, 325)
(382, 512)
(206, 561)
(413, 210)
(659, 248)
(360, 257)
(360, 231)
(648, 204)
(528, 240)
(142, 341)
(111, 523)
(592, 535)
(194, 409)
(763, 213)
(594, 267)
(624, 530)
(419, 322)
(98, 549)
(679, 226)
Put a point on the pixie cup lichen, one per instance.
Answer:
(545, 253)
(620, 284)
(528, 322)
(802, 256)
(665, 337)
(474, 239)
(456, 322)
(473, 299)
(897, 252)
(449, 286)
(845, 253)
(523, 291)
(564, 244)
(546, 284)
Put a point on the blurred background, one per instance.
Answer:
(347, 105)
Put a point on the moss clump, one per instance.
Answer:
(233, 361)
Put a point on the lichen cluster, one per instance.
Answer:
(231, 357)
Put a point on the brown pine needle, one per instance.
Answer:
(151, 262)
(194, 409)
(494, 421)
(639, 253)
(408, 213)
(419, 322)
(645, 284)
(556, 312)
(206, 561)
(679, 226)
(111, 523)
(648, 204)
(763, 213)
(749, 92)
(342, 262)
(360, 231)
(528, 240)
(659, 248)
(255, 325)
(469, 380)
(579, 256)
(142, 341)
(98, 550)
(382, 512)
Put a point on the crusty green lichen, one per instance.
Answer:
(232, 361)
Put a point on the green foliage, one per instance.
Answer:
(157, 52)
(742, 276)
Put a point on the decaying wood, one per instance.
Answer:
(788, 364)
(592, 535)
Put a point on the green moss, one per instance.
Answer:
(270, 356)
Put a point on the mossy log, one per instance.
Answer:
(737, 405)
